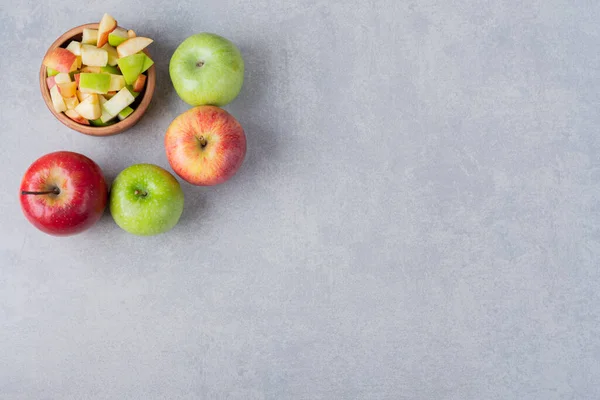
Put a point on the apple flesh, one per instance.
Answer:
(57, 101)
(90, 107)
(146, 200)
(117, 103)
(93, 56)
(63, 193)
(205, 145)
(207, 69)
(133, 45)
(90, 36)
(68, 89)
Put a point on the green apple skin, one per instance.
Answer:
(146, 200)
(207, 69)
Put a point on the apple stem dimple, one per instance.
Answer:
(200, 64)
(139, 192)
(202, 141)
(55, 191)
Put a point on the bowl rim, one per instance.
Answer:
(110, 130)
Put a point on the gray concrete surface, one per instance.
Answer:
(417, 216)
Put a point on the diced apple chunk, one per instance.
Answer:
(131, 33)
(62, 78)
(75, 116)
(61, 60)
(93, 56)
(89, 108)
(94, 83)
(126, 112)
(82, 96)
(118, 36)
(117, 82)
(90, 36)
(105, 27)
(117, 103)
(139, 83)
(74, 47)
(67, 89)
(50, 81)
(57, 101)
(112, 54)
(133, 45)
(71, 102)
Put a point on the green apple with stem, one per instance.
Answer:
(145, 200)
(207, 69)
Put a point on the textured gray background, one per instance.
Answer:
(417, 216)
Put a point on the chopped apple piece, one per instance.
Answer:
(118, 36)
(68, 89)
(89, 108)
(74, 47)
(106, 26)
(82, 96)
(57, 101)
(133, 45)
(109, 69)
(131, 67)
(71, 102)
(74, 115)
(61, 60)
(117, 103)
(147, 63)
(94, 83)
(90, 36)
(51, 72)
(91, 70)
(131, 33)
(93, 56)
(117, 82)
(139, 83)
(126, 112)
(112, 54)
(109, 95)
(50, 81)
(62, 78)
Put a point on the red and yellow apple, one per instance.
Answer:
(61, 60)
(63, 193)
(205, 145)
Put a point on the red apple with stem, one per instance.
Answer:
(63, 193)
(205, 145)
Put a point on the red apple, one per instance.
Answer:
(63, 193)
(61, 60)
(205, 145)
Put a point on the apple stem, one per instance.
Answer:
(200, 64)
(202, 141)
(139, 192)
(53, 191)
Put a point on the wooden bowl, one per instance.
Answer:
(140, 105)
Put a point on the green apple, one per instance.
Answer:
(207, 69)
(94, 83)
(147, 63)
(118, 36)
(109, 69)
(145, 199)
(131, 66)
(126, 112)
